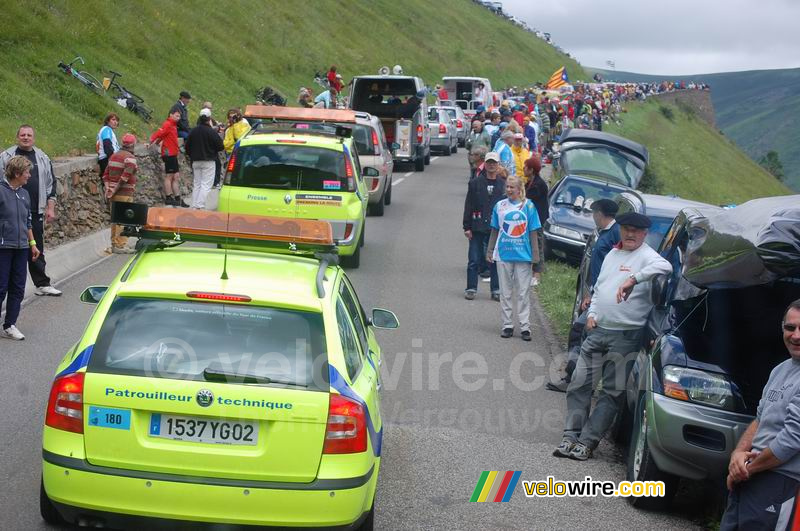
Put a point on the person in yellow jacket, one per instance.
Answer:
(237, 128)
(521, 154)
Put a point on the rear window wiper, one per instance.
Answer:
(221, 375)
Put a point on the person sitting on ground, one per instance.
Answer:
(167, 137)
(304, 99)
(119, 182)
(615, 321)
(512, 247)
(237, 128)
(17, 241)
(764, 470)
(325, 99)
(182, 106)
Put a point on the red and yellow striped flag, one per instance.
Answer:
(558, 79)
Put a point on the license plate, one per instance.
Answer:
(204, 430)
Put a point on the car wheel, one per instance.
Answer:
(369, 522)
(428, 158)
(446, 151)
(548, 253)
(48, 511)
(455, 147)
(388, 198)
(641, 466)
(419, 164)
(353, 261)
(462, 143)
(361, 241)
(376, 209)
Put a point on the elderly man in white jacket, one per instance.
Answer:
(616, 318)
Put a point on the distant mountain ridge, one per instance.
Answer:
(757, 109)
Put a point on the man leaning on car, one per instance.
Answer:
(764, 471)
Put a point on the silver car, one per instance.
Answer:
(444, 135)
(374, 152)
(462, 124)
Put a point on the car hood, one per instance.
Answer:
(749, 245)
(567, 217)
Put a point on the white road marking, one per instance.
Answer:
(398, 181)
(409, 174)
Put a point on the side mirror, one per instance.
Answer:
(93, 294)
(369, 171)
(384, 319)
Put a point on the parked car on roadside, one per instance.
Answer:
(444, 135)
(711, 341)
(601, 155)
(456, 114)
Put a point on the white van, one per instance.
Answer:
(463, 91)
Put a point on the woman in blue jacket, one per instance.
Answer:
(16, 238)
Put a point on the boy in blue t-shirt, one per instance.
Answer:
(513, 221)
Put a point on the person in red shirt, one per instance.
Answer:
(167, 136)
(441, 93)
(334, 80)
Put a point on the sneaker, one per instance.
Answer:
(485, 274)
(12, 333)
(564, 449)
(580, 452)
(496, 297)
(169, 201)
(48, 290)
(526, 335)
(469, 295)
(181, 203)
(534, 282)
(486, 279)
(506, 333)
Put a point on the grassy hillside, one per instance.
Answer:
(691, 159)
(758, 109)
(224, 51)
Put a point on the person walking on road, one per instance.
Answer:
(107, 143)
(18, 243)
(764, 469)
(617, 314)
(503, 148)
(512, 248)
(120, 181)
(478, 136)
(167, 137)
(483, 193)
(41, 188)
(521, 154)
(203, 147)
(477, 159)
(182, 106)
(536, 190)
(237, 128)
(531, 134)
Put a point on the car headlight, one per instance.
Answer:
(567, 233)
(692, 385)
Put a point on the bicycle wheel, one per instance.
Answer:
(136, 98)
(91, 82)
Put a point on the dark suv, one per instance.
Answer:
(712, 339)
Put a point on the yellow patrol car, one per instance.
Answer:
(281, 168)
(219, 385)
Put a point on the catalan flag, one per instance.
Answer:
(558, 79)
(494, 486)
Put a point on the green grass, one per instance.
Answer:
(224, 51)
(557, 295)
(693, 160)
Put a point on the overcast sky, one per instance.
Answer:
(670, 36)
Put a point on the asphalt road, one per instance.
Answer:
(457, 398)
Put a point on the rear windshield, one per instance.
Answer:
(362, 136)
(290, 167)
(161, 338)
(433, 115)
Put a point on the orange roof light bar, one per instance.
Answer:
(238, 226)
(299, 114)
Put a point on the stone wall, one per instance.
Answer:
(81, 209)
(697, 100)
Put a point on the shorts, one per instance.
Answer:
(170, 164)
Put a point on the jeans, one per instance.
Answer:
(606, 353)
(12, 282)
(37, 268)
(515, 276)
(183, 134)
(203, 181)
(476, 259)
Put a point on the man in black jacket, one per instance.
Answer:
(202, 147)
(181, 106)
(483, 192)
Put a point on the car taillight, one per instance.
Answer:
(376, 146)
(459, 124)
(348, 171)
(232, 162)
(374, 185)
(348, 230)
(419, 134)
(65, 407)
(346, 432)
(442, 129)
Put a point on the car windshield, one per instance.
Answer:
(581, 194)
(599, 160)
(290, 167)
(162, 338)
(362, 136)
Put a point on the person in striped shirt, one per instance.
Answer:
(120, 180)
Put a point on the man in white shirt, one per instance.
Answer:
(615, 322)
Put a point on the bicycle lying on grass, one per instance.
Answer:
(88, 80)
(126, 98)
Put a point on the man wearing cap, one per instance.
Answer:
(521, 154)
(182, 106)
(120, 180)
(202, 147)
(483, 193)
(477, 138)
(615, 320)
